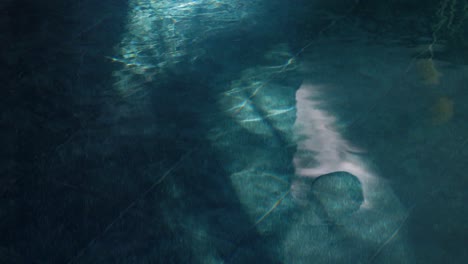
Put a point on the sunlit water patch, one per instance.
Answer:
(164, 35)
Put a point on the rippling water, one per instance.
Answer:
(233, 132)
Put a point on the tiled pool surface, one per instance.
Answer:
(237, 139)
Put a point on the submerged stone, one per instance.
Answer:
(340, 193)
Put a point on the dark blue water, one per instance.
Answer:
(234, 131)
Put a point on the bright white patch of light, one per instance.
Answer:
(320, 141)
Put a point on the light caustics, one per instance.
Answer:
(257, 101)
(162, 34)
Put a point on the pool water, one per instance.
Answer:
(235, 132)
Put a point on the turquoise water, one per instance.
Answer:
(235, 132)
